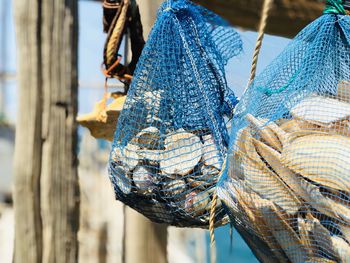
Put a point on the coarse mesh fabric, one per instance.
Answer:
(171, 136)
(287, 183)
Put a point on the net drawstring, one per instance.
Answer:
(335, 7)
(212, 219)
(262, 26)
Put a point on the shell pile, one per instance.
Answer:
(291, 181)
(179, 168)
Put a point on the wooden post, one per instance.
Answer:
(46, 196)
(144, 241)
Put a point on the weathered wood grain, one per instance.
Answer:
(46, 182)
(287, 17)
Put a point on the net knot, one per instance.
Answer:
(335, 7)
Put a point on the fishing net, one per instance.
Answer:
(171, 137)
(287, 183)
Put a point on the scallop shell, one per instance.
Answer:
(207, 177)
(122, 179)
(319, 260)
(149, 138)
(196, 203)
(323, 159)
(273, 158)
(345, 230)
(249, 210)
(343, 93)
(143, 179)
(331, 245)
(183, 152)
(321, 110)
(285, 235)
(304, 228)
(127, 156)
(289, 125)
(317, 200)
(341, 248)
(211, 154)
(269, 185)
(340, 127)
(265, 132)
(174, 188)
(152, 155)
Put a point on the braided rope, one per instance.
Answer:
(212, 218)
(212, 227)
(262, 26)
(117, 31)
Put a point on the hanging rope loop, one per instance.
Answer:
(214, 203)
(262, 27)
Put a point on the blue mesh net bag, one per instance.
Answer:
(287, 182)
(171, 136)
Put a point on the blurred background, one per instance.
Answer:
(102, 218)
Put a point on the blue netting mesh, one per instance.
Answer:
(171, 136)
(287, 185)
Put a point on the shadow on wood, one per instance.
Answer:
(287, 17)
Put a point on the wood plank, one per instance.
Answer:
(287, 17)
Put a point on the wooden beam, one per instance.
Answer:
(287, 17)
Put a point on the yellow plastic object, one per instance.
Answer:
(102, 121)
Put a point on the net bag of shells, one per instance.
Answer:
(287, 183)
(171, 137)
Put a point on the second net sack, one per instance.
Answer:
(171, 138)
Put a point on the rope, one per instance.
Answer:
(335, 7)
(212, 228)
(212, 219)
(262, 26)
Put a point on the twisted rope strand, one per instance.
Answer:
(212, 218)
(262, 26)
(212, 228)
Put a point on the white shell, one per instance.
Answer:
(284, 234)
(344, 91)
(183, 152)
(149, 138)
(265, 132)
(211, 155)
(332, 245)
(196, 203)
(260, 178)
(321, 110)
(174, 188)
(321, 158)
(152, 155)
(341, 248)
(122, 179)
(129, 156)
(143, 179)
